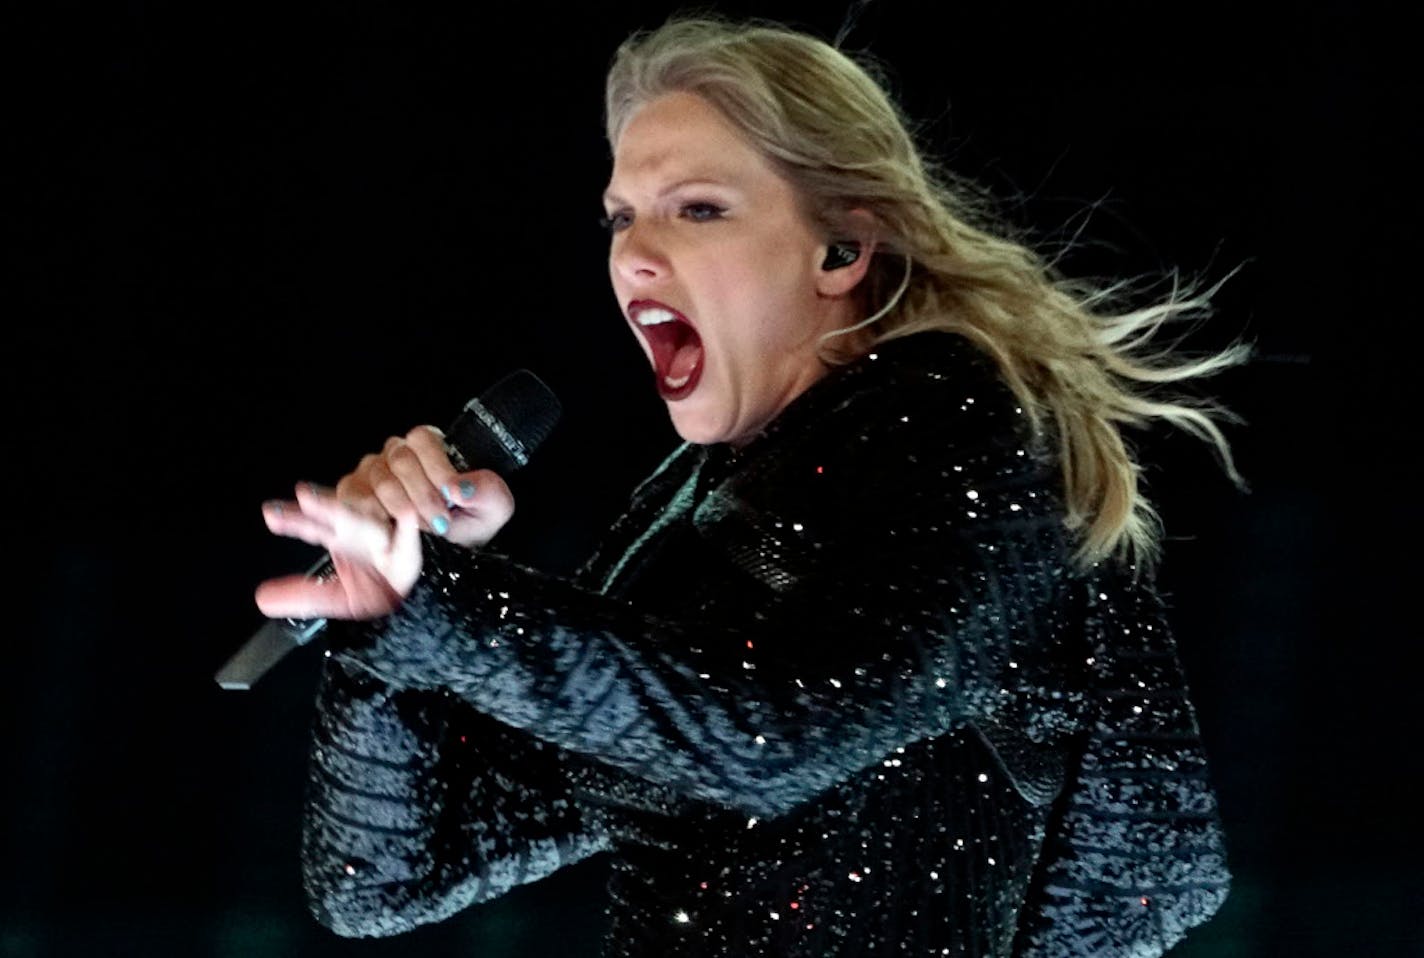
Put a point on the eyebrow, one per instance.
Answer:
(701, 180)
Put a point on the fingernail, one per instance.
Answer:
(445, 491)
(275, 505)
(440, 524)
(467, 488)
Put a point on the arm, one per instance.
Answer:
(416, 806)
(925, 619)
(409, 814)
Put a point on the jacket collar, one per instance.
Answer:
(937, 353)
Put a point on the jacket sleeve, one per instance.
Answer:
(417, 807)
(936, 602)
(1137, 853)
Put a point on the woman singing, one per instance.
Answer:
(872, 664)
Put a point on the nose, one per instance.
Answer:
(637, 257)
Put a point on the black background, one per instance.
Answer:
(251, 242)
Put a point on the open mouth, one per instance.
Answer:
(676, 348)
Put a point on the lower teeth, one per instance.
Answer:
(678, 383)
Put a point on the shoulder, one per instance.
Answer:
(935, 389)
(923, 414)
(924, 440)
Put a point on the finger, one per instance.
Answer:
(288, 519)
(361, 537)
(389, 492)
(464, 491)
(405, 556)
(485, 492)
(354, 488)
(318, 502)
(484, 506)
(428, 444)
(424, 493)
(299, 597)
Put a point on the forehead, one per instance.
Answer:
(681, 136)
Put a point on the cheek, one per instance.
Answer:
(615, 279)
(765, 278)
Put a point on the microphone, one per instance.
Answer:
(498, 431)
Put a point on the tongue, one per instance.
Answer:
(685, 359)
(677, 349)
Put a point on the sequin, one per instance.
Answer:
(931, 751)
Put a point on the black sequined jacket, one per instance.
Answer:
(837, 693)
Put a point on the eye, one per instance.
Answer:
(613, 222)
(702, 212)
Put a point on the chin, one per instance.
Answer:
(694, 428)
(696, 436)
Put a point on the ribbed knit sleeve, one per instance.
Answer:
(1138, 855)
(404, 825)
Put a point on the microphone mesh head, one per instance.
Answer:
(502, 428)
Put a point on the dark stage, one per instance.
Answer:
(253, 241)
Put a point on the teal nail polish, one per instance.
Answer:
(440, 524)
(445, 491)
(467, 489)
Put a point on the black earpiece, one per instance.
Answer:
(841, 254)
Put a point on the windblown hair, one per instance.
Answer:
(1079, 369)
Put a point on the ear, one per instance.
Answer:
(858, 232)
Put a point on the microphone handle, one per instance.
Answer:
(270, 644)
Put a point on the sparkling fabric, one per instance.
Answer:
(836, 693)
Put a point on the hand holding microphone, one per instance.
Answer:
(371, 523)
(370, 526)
(413, 475)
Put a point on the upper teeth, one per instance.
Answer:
(651, 317)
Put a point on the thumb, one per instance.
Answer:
(483, 491)
(486, 504)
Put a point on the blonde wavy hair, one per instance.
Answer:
(1079, 369)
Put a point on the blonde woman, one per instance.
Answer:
(873, 663)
